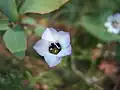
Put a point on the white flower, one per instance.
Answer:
(53, 46)
(113, 24)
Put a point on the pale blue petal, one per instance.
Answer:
(41, 47)
(117, 17)
(51, 59)
(111, 29)
(107, 24)
(49, 33)
(110, 18)
(64, 39)
(65, 52)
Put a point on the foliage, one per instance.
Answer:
(13, 40)
(11, 9)
(21, 25)
(41, 6)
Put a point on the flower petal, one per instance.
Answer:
(107, 24)
(49, 33)
(41, 47)
(51, 59)
(65, 52)
(110, 18)
(111, 29)
(64, 39)
(117, 17)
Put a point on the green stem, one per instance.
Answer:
(84, 86)
(92, 69)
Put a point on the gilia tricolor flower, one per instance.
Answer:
(113, 24)
(53, 46)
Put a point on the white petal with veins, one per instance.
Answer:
(64, 39)
(51, 59)
(48, 34)
(65, 52)
(41, 46)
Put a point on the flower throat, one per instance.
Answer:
(54, 48)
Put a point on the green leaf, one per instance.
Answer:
(20, 54)
(15, 41)
(41, 6)
(107, 4)
(39, 30)
(10, 9)
(4, 25)
(95, 26)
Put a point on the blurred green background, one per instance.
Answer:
(84, 19)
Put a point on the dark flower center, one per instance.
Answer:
(115, 24)
(54, 48)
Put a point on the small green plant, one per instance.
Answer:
(22, 23)
(15, 37)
